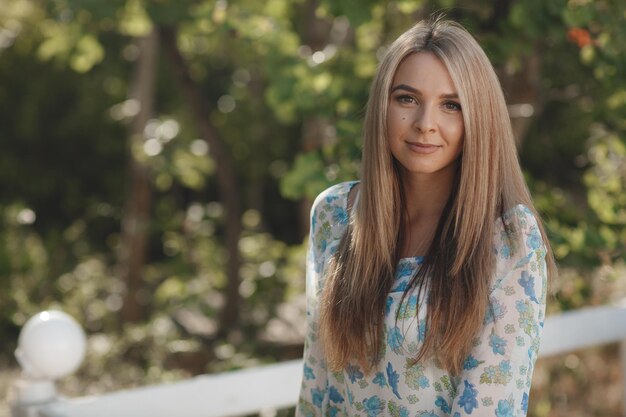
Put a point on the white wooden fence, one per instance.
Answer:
(276, 386)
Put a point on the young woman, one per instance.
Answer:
(426, 280)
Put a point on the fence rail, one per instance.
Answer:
(276, 386)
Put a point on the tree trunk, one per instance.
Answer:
(315, 35)
(229, 191)
(136, 217)
(522, 90)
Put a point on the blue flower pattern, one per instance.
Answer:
(354, 373)
(317, 396)
(421, 331)
(498, 344)
(468, 400)
(395, 339)
(374, 406)
(525, 402)
(308, 372)
(388, 304)
(495, 311)
(334, 395)
(505, 408)
(491, 382)
(471, 363)
(527, 281)
(443, 404)
(393, 377)
(380, 380)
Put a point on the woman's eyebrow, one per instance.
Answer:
(417, 92)
(405, 87)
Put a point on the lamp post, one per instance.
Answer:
(51, 345)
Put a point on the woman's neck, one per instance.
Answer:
(425, 198)
(426, 195)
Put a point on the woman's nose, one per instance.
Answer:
(425, 120)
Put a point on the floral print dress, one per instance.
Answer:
(497, 373)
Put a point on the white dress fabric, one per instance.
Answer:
(496, 375)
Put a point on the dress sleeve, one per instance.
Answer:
(328, 221)
(496, 376)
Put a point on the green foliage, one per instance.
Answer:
(306, 177)
(357, 11)
(606, 179)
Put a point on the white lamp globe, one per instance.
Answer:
(51, 345)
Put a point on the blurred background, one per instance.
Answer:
(159, 158)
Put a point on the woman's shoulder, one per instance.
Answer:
(329, 220)
(520, 222)
(520, 215)
(333, 198)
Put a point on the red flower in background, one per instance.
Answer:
(579, 36)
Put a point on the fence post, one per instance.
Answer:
(622, 352)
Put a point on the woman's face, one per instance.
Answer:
(424, 118)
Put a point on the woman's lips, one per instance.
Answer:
(422, 148)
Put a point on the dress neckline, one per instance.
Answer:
(417, 259)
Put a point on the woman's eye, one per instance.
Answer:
(451, 105)
(405, 99)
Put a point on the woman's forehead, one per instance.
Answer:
(424, 73)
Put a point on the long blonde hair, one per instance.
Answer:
(459, 264)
